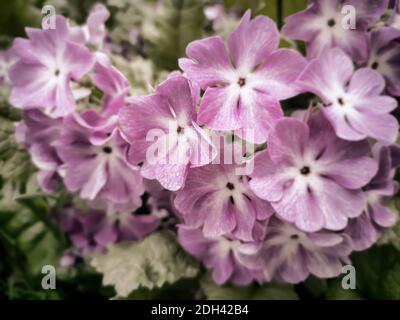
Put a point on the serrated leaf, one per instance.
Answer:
(150, 263)
(182, 289)
(14, 162)
(271, 291)
(29, 228)
(168, 33)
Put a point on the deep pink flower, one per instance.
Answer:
(291, 255)
(93, 230)
(221, 202)
(323, 26)
(367, 228)
(96, 28)
(81, 227)
(163, 134)
(126, 226)
(94, 31)
(38, 133)
(227, 258)
(94, 156)
(312, 178)
(395, 155)
(48, 62)
(111, 82)
(244, 93)
(384, 57)
(160, 198)
(353, 100)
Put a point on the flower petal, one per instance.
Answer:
(258, 112)
(277, 75)
(288, 140)
(177, 91)
(327, 74)
(219, 108)
(208, 62)
(383, 127)
(220, 222)
(253, 41)
(269, 180)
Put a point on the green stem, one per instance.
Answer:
(279, 13)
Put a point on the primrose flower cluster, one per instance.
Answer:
(317, 180)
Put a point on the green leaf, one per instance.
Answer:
(391, 283)
(377, 272)
(182, 289)
(291, 7)
(392, 235)
(150, 263)
(29, 227)
(270, 291)
(336, 292)
(168, 33)
(317, 287)
(14, 162)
